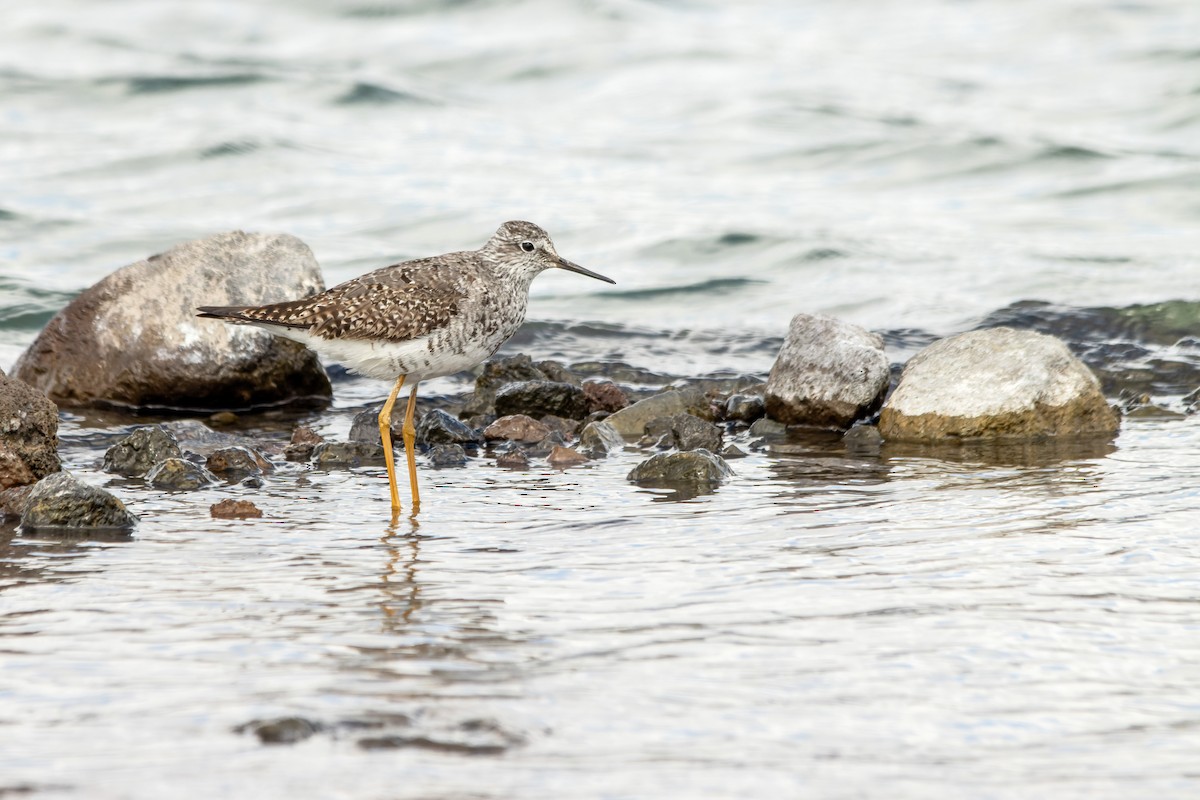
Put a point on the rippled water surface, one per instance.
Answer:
(1007, 622)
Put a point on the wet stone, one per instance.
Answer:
(733, 451)
(539, 398)
(683, 432)
(497, 373)
(631, 421)
(235, 463)
(365, 426)
(556, 371)
(285, 730)
(304, 441)
(223, 419)
(13, 501)
(598, 439)
(62, 501)
(687, 467)
(179, 474)
(28, 434)
(137, 453)
(863, 440)
(567, 427)
(516, 428)
(333, 455)
(604, 396)
(565, 457)
(438, 427)
(234, 509)
(447, 455)
(542, 449)
(768, 428)
(744, 407)
(513, 459)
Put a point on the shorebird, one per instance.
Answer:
(416, 320)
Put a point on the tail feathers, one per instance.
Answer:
(249, 315)
(231, 313)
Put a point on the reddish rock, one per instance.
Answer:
(234, 509)
(28, 434)
(516, 428)
(604, 396)
(304, 441)
(565, 457)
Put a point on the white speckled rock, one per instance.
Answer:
(828, 373)
(134, 340)
(996, 383)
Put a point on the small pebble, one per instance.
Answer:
(234, 509)
(565, 457)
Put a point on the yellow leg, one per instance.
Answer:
(410, 447)
(385, 433)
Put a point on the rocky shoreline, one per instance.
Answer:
(994, 384)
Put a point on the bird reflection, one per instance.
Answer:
(401, 589)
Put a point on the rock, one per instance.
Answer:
(28, 434)
(235, 463)
(631, 421)
(13, 500)
(304, 441)
(863, 440)
(687, 467)
(179, 474)
(828, 373)
(743, 407)
(538, 398)
(285, 730)
(733, 451)
(447, 455)
(62, 501)
(769, 428)
(598, 439)
(516, 428)
(223, 419)
(556, 371)
(331, 455)
(996, 383)
(365, 426)
(104, 349)
(497, 373)
(604, 396)
(562, 457)
(438, 427)
(234, 509)
(545, 446)
(683, 432)
(567, 427)
(193, 435)
(513, 459)
(137, 453)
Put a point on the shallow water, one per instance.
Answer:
(1003, 622)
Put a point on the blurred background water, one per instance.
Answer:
(901, 626)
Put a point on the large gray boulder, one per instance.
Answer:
(829, 373)
(996, 383)
(63, 502)
(133, 339)
(28, 434)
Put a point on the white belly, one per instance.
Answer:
(418, 359)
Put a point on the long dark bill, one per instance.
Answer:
(573, 267)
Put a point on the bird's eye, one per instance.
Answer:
(527, 247)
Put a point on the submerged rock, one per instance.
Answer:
(513, 459)
(62, 501)
(688, 467)
(598, 439)
(996, 383)
(285, 730)
(235, 463)
(829, 373)
(304, 441)
(447, 455)
(631, 421)
(28, 434)
(137, 453)
(179, 474)
(104, 349)
(330, 455)
(539, 398)
(438, 427)
(516, 428)
(683, 432)
(234, 509)
(863, 440)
